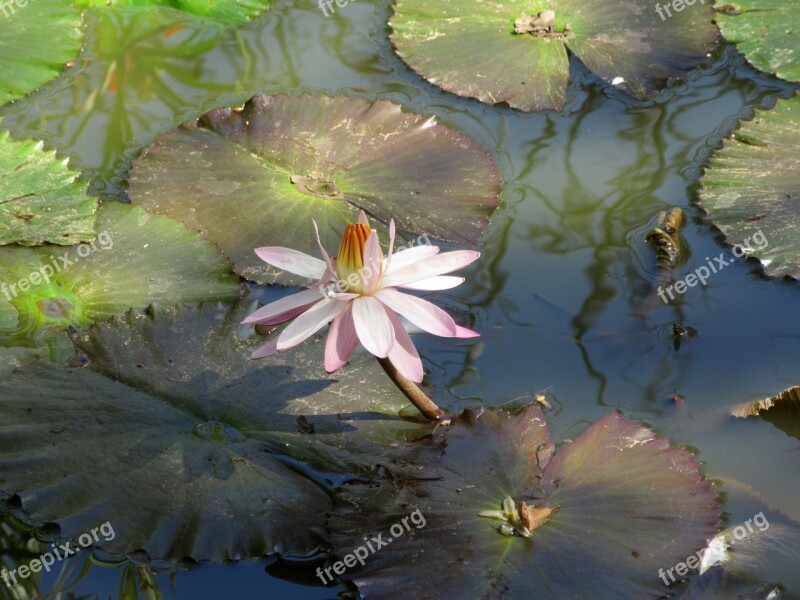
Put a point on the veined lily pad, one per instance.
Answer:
(767, 32)
(137, 259)
(515, 51)
(782, 410)
(258, 176)
(40, 199)
(36, 42)
(605, 511)
(751, 188)
(185, 445)
(234, 12)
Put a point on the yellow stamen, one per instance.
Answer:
(350, 261)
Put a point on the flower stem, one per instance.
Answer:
(426, 406)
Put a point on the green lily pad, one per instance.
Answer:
(751, 189)
(234, 12)
(257, 176)
(493, 50)
(605, 512)
(782, 410)
(36, 42)
(767, 32)
(185, 445)
(40, 198)
(136, 259)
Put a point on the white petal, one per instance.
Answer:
(420, 312)
(311, 321)
(440, 282)
(373, 326)
(429, 267)
(283, 305)
(293, 261)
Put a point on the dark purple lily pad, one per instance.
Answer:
(257, 176)
(488, 49)
(185, 445)
(606, 512)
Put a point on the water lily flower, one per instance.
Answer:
(358, 294)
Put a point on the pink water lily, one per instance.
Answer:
(358, 294)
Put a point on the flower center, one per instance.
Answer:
(350, 260)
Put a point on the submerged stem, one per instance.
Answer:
(426, 406)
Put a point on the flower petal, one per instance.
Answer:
(373, 326)
(342, 341)
(429, 267)
(326, 259)
(440, 282)
(420, 312)
(267, 349)
(404, 355)
(403, 258)
(362, 218)
(311, 321)
(293, 261)
(268, 313)
(463, 332)
(373, 257)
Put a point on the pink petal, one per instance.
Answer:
(311, 321)
(404, 355)
(279, 308)
(362, 218)
(392, 233)
(267, 349)
(403, 258)
(429, 267)
(373, 326)
(463, 332)
(420, 312)
(293, 261)
(373, 257)
(342, 341)
(440, 282)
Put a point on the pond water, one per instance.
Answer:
(561, 294)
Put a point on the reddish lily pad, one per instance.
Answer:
(184, 444)
(495, 51)
(623, 504)
(751, 189)
(257, 176)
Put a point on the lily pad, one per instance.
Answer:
(40, 198)
(36, 42)
(751, 189)
(185, 445)
(137, 259)
(499, 51)
(257, 176)
(782, 410)
(234, 12)
(767, 32)
(606, 511)
(719, 584)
